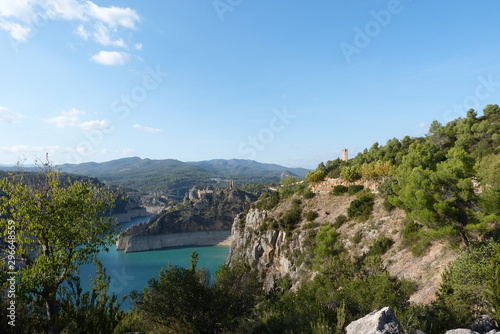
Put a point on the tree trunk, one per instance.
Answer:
(52, 311)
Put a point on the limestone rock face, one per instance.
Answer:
(202, 220)
(267, 250)
(461, 331)
(383, 321)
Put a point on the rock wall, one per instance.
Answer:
(268, 251)
(140, 243)
(131, 214)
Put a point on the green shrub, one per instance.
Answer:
(339, 221)
(388, 206)
(310, 225)
(308, 194)
(361, 208)
(292, 216)
(339, 190)
(354, 189)
(380, 247)
(311, 215)
(357, 237)
(268, 202)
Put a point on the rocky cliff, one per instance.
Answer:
(204, 218)
(275, 253)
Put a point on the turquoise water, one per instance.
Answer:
(132, 271)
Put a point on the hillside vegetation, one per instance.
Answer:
(174, 178)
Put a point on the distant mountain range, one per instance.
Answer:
(175, 177)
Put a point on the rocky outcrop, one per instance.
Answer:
(131, 214)
(267, 250)
(209, 212)
(383, 321)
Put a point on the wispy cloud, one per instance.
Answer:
(72, 119)
(147, 128)
(422, 125)
(9, 117)
(110, 58)
(94, 125)
(101, 24)
(66, 119)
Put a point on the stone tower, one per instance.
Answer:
(345, 154)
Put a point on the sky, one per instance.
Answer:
(286, 82)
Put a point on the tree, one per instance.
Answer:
(182, 299)
(489, 175)
(59, 225)
(440, 198)
(350, 173)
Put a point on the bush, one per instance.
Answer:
(380, 247)
(357, 237)
(339, 190)
(311, 215)
(292, 216)
(339, 221)
(354, 189)
(268, 202)
(388, 206)
(361, 208)
(308, 194)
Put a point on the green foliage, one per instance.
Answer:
(327, 243)
(387, 205)
(361, 208)
(339, 190)
(354, 189)
(292, 216)
(59, 225)
(340, 220)
(315, 176)
(90, 312)
(268, 202)
(311, 215)
(463, 296)
(308, 194)
(489, 175)
(380, 247)
(182, 300)
(350, 173)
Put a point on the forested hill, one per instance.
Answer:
(175, 177)
(448, 182)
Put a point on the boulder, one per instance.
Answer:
(461, 331)
(383, 321)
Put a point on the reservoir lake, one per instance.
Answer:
(132, 271)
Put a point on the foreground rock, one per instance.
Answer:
(383, 321)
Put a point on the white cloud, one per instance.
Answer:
(66, 119)
(111, 58)
(36, 149)
(9, 117)
(99, 23)
(72, 119)
(147, 128)
(422, 125)
(138, 46)
(17, 31)
(93, 125)
(19, 9)
(114, 16)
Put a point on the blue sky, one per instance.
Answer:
(287, 82)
